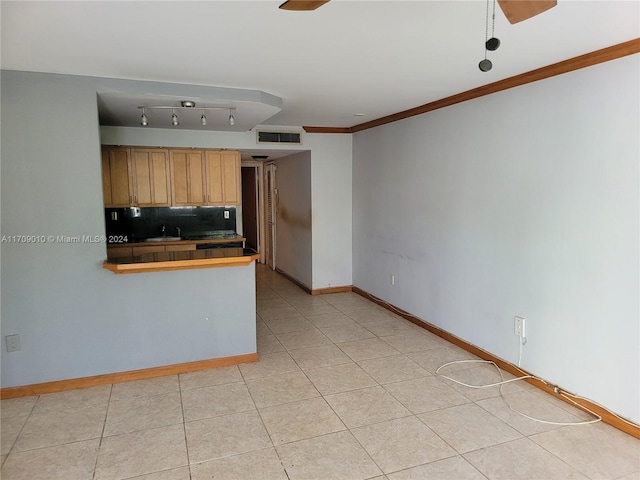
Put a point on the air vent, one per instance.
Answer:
(292, 138)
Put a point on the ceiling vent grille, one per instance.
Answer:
(291, 138)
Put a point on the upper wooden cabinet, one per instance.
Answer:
(222, 180)
(117, 188)
(151, 177)
(155, 177)
(135, 177)
(187, 177)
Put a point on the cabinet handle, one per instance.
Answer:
(130, 199)
(135, 199)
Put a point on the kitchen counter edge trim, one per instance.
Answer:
(122, 268)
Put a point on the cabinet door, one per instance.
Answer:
(151, 177)
(213, 169)
(187, 179)
(151, 249)
(222, 177)
(116, 252)
(119, 177)
(106, 179)
(231, 178)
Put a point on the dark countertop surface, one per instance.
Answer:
(143, 243)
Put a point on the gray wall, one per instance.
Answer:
(76, 319)
(294, 219)
(524, 202)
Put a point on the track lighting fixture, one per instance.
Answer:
(185, 105)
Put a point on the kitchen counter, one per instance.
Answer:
(164, 261)
(178, 242)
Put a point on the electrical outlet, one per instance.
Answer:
(226, 214)
(13, 343)
(519, 327)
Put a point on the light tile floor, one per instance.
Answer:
(344, 389)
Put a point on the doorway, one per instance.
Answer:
(271, 200)
(250, 207)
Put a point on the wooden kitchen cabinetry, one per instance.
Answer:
(222, 180)
(118, 251)
(151, 178)
(117, 189)
(135, 177)
(205, 177)
(187, 177)
(156, 177)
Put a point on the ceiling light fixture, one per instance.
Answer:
(185, 105)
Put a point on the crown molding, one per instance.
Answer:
(576, 63)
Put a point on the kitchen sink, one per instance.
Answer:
(163, 239)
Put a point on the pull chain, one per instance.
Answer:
(486, 29)
(493, 25)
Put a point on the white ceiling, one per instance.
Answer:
(347, 57)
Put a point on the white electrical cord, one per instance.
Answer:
(567, 395)
(504, 382)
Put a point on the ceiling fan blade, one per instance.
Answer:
(519, 10)
(302, 5)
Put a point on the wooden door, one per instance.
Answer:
(151, 177)
(187, 177)
(117, 162)
(250, 206)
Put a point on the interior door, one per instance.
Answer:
(250, 219)
(270, 213)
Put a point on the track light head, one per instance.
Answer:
(186, 105)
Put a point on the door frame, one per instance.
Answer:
(271, 167)
(261, 214)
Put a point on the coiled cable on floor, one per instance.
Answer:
(503, 382)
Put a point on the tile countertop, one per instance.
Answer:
(165, 261)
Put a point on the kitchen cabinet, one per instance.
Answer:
(156, 177)
(119, 251)
(117, 188)
(187, 247)
(149, 249)
(151, 178)
(222, 177)
(135, 177)
(187, 177)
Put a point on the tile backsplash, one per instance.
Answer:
(138, 223)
